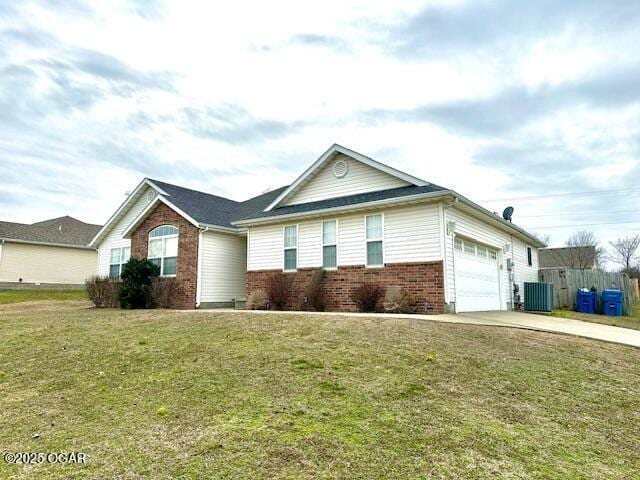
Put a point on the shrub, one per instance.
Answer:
(399, 300)
(103, 291)
(160, 291)
(367, 296)
(279, 291)
(136, 277)
(258, 300)
(314, 295)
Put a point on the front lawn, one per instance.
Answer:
(15, 296)
(632, 321)
(158, 394)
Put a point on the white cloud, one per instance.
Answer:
(236, 98)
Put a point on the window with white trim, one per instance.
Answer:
(481, 251)
(117, 258)
(290, 247)
(330, 244)
(457, 243)
(374, 236)
(163, 249)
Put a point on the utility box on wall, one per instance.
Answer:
(538, 297)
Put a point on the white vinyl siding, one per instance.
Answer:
(266, 248)
(224, 261)
(309, 244)
(46, 264)
(411, 234)
(114, 239)
(473, 228)
(360, 178)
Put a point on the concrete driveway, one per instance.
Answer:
(625, 336)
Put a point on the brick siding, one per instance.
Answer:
(184, 294)
(424, 280)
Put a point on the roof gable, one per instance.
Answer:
(200, 208)
(358, 174)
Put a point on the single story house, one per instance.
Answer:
(51, 252)
(354, 217)
(580, 258)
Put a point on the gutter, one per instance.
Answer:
(469, 203)
(457, 198)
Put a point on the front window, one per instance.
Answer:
(163, 249)
(329, 244)
(375, 248)
(290, 247)
(119, 256)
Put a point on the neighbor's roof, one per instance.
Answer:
(66, 231)
(567, 257)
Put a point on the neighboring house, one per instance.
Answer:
(348, 214)
(53, 251)
(579, 258)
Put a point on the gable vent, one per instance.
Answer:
(151, 195)
(340, 169)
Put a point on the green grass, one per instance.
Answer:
(157, 394)
(631, 321)
(15, 296)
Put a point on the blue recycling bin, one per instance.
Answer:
(586, 301)
(612, 302)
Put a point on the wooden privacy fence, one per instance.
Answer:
(566, 282)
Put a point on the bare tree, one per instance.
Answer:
(543, 237)
(625, 252)
(582, 258)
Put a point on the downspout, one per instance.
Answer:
(445, 236)
(1, 244)
(512, 276)
(199, 266)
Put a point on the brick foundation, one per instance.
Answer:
(424, 280)
(184, 295)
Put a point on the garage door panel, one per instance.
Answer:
(477, 278)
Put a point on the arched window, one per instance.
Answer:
(163, 249)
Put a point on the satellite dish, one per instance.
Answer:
(507, 214)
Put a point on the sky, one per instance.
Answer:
(529, 104)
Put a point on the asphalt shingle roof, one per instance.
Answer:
(62, 230)
(213, 209)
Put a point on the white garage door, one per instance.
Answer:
(477, 277)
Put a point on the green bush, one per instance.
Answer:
(136, 277)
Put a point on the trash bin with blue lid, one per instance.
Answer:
(612, 302)
(586, 301)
